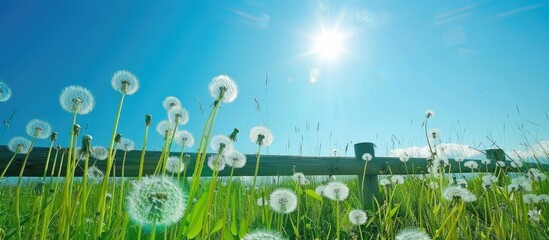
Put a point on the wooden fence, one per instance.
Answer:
(270, 165)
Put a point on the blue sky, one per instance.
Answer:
(480, 65)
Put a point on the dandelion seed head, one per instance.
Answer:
(461, 182)
(434, 133)
(534, 215)
(174, 165)
(357, 217)
(156, 199)
(283, 201)
(320, 190)
(441, 162)
(125, 81)
(458, 193)
(5, 92)
(263, 235)
(76, 98)
(261, 136)
(543, 198)
(126, 144)
(262, 202)
(500, 163)
(530, 198)
(459, 159)
(404, 157)
(100, 153)
(384, 182)
(397, 179)
(178, 114)
(95, 175)
(520, 184)
(171, 102)
(471, 165)
(486, 161)
(19, 144)
(429, 113)
(537, 175)
(412, 234)
(184, 138)
(39, 129)
(220, 163)
(299, 178)
(162, 128)
(433, 185)
(367, 157)
(221, 144)
(489, 179)
(336, 191)
(235, 159)
(516, 163)
(224, 88)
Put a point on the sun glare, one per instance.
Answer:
(329, 44)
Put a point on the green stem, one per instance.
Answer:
(142, 161)
(18, 190)
(9, 163)
(105, 184)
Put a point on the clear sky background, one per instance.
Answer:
(482, 66)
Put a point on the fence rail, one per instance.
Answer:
(271, 165)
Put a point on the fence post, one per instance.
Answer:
(371, 185)
(497, 155)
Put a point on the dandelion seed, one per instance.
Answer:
(486, 161)
(220, 163)
(77, 99)
(412, 234)
(458, 193)
(283, 201)
(520, 184)
(235, 159)
(262, 235)
(95, 175)
(171, 102)
(384, 182)
(534, 215)
(320, 190)
(126, 145)
(397, 179)
(335, 152)
(500, 163)
(429, 113)
(157, 200)
(5, 92)
(434, 133)
(471, 165)
(530, 198)
(221, 144)
(336, 191)
(404, 157)
(357, 217)
(261, 136)
(184, 138)
(39, 129)
(19, 145)
(125, 82)
(180, 114)
(223, 88)
(100, 153)
(174, 165)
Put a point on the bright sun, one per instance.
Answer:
(329, 44)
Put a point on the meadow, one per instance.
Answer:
(173, 204)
